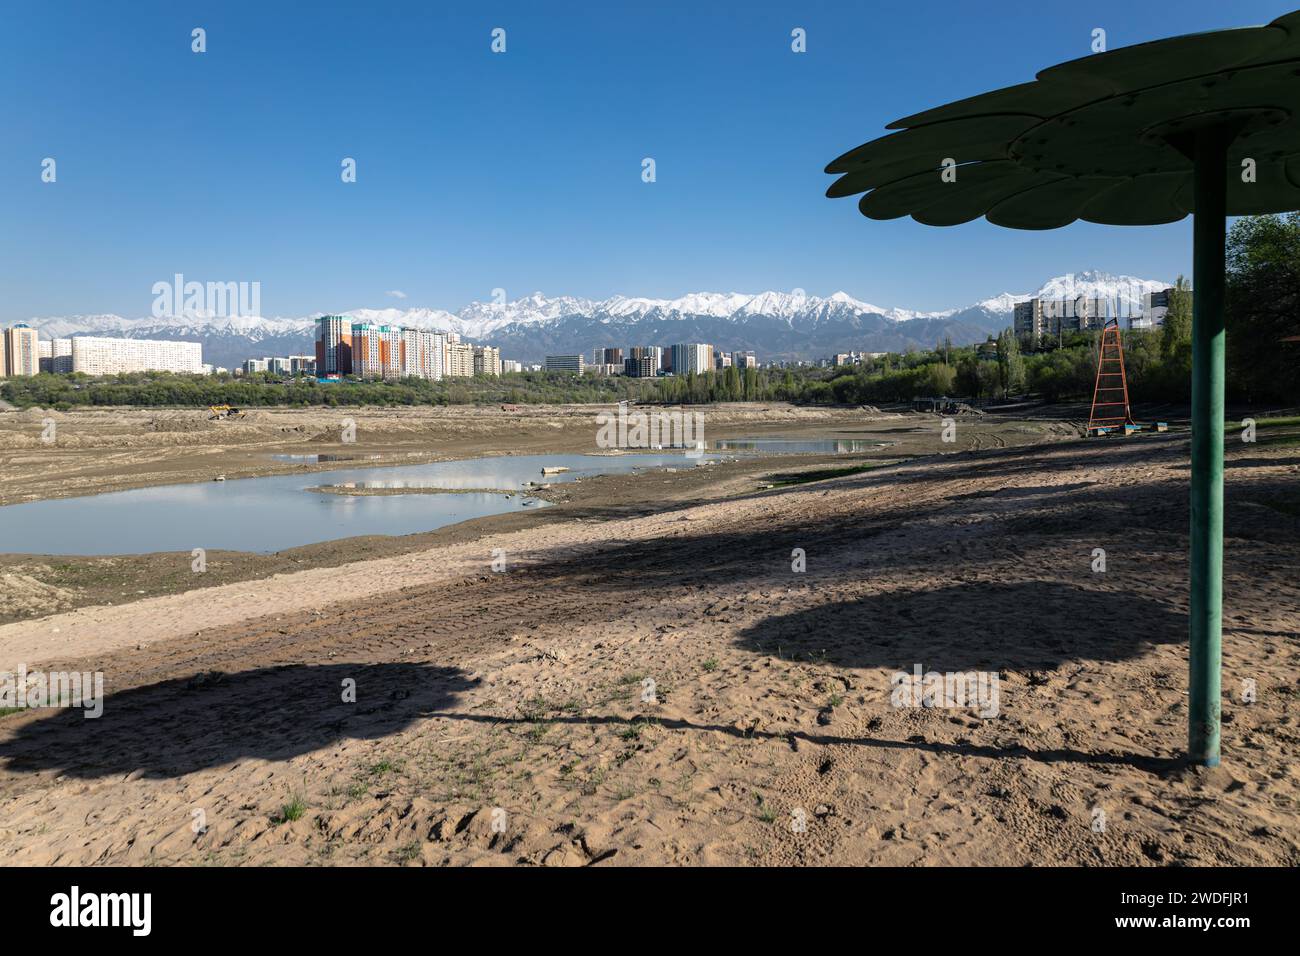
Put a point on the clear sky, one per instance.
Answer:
(520, 170)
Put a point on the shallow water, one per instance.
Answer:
(799, 446)
(276, 512)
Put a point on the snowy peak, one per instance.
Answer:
(1006, 302)
(1099, 285)
(734, 315)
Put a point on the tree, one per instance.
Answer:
(939, 378)
(1263, 302)
(1176, 333)
(1011, 364)
(967, 379)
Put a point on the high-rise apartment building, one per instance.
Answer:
(487, 360)
(102, 356)
(643, 361)
(459, 359)
(1038, 317)
(744, 360)
(334, 345)
(376, 350)
(692, 357)
(22, 355)
(60, 356)
(1155, 306)
(422, 354)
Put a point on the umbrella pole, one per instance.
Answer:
(1205, 655)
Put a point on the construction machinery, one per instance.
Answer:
(221, 413)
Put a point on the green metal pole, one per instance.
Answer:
(1207, 445)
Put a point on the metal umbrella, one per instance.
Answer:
(1206, 124)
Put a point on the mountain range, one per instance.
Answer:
(777, 326)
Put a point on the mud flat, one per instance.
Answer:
(648, 679)
(112, 450)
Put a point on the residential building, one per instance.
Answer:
(279, 366)
(643, 361)
(94, 355)
(692, 357)
(249, 366)
(1039, 317)
(644, 366)
(22, 355)
(422, 354)
(376, 350)
(565, 363)
(744, 359)
(487, 360)
(1155, 306)
(459, 359)
(721, 360)
(334, 345)
(60, 356)
(302, 365)
(510, 365)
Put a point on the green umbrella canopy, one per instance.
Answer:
(1106, 138)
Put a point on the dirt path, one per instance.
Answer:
(506, 717)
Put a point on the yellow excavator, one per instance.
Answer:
(220, 413)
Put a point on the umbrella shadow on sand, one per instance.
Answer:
(179, 726)
(1035, 625)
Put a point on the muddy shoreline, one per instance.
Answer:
(107, 451)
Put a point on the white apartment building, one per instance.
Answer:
(21, 352)
(101, 356)
(459, 360)
(692, 357)
(422, 354)
(60, 356)
(566, 363)
(487, 360)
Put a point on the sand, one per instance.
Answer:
(505, 717)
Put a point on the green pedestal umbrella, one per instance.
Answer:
(1206, 124)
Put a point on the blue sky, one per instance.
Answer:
(521, 170)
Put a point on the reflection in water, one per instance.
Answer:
(793, 446)
(276, 512)
(316, 459)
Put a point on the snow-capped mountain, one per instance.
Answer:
(776, 325)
